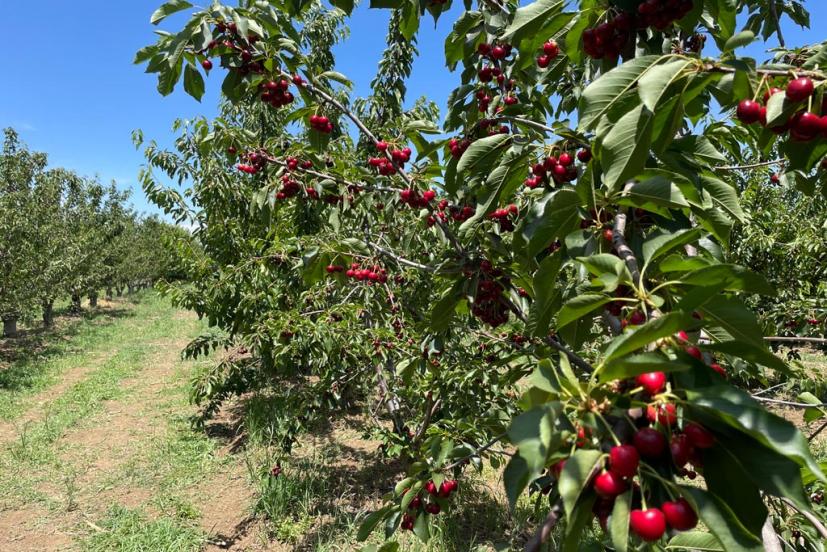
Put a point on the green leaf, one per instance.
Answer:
(732, 277)
(576, 474)
(695, 540)
(534, 434)
(516, 478)
(546, 293)
(579, 306)
(344, 5)
(722, 522)
(736, 41)
(553, 218)
(370, 523)
(625, 148)
(657, 190)
(529, 19)
(779, 109)
(167, 9)
(666, 325)
(455, 41)
(657, 80)
(634, 365)
(606, 91)
(444, 309)
(193, 82)
(619, 523)
(482, 150)
(422, 528)
(733, 316)
(743, 413)
(724, 196)
(661, 242)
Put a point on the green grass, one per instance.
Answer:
(125, 530)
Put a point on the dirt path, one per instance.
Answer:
(126, 446)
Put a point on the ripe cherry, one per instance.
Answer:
(608, 235)
(206, 64)
(748, 112)
(666, 414)
(799, 89)
(652, 382)
(650, 443)
(415, 503)
(637, 318)
(699, 436)
(484, 49)
(584, 155)
(543, 61)
(680, 515)
(695, 352)
(624, 460)
(807, 124)
(649, 525)
(718, 368)
(432, 508)
(430, 488)
(498, 52)
(381, 145)
(551, 49)
(565, 159)
(608, 484)
(557, 468)
(681, 449)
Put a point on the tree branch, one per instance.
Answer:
(814, 521)
(544, 531)
(774, 13)
(750, 166)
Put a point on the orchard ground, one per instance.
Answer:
(99, 453)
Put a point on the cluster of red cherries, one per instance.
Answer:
(254, 161)
(456, 213)
(550, 51)
(432, 507)
(320, 123)
(234, 42)
(276, 93)
(497, 53)
(607, 40)
(488, 305)
(802, 126)
(384, 165)
(505, 217)
(356, 271)
(413, 198)
(558, 168)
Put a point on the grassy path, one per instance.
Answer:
(96, 451)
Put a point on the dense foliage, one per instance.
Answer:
(551, 268)
(66, 235)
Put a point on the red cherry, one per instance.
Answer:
(543, 61)
(695, 352)
(748, 112)
(665, 414)
(430, 488)
(608, 235)
(637, 318)
(679, 514)
(650, 443)
(808, 124)
(551, 49)
(498, 52)
(565, 159)
(683, 336)
(699, 436)
(608, 484)
(557, 468)
(624, 460)
(415, 503)
(432, 508)
(649, 525)
(484, 49)
(428, 195)
(718, 368)
(681, 449)
(206, 64)
(381, 145)
(799, 89)
(584, 155)
(774, 178)
(652, 382)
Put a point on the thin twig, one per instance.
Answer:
(789, 403)
(477, 452)
(774, 13)
(398, 259)
(751, 165)
(814, 521)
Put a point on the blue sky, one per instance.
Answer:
(71, 89)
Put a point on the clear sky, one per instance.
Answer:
(71, 90)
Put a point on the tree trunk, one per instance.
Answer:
(131, 288)
(93, 299)
(10, 326)
(109, 294)
(119, 291)
(48, 314)
(76, 302)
